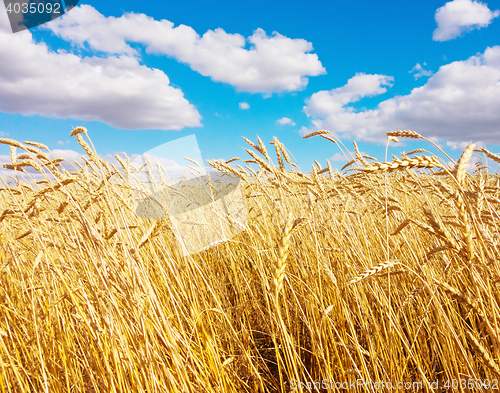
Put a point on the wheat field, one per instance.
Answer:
(383, 272)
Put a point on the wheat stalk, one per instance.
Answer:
(466, 228)
(193, 161)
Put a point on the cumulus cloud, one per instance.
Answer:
(115, 90)
(305, 130)
(244, 105)
(272, 63)
(285, 120)
(337, 157)
(460, 16)
(418, 71)
(326, 103)
(462, 145)
(459, 102)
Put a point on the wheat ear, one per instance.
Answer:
(319, 132)
(417, 151)
(440, 230)
(263, 149)
(417, 162)
(260, 161)
(413, 134)
(371, 272)
(471, 304)
(279, 273)
(37, 144)
(461, 166)
(278, 154)
(78, 130)
(489, 154)
(93, 157)
(285, 154)
(484, 354)
(404, 134)
(358, 154)
(12, 142)
(13, 155)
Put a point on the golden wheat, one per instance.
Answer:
(372, 271)
(404, 134)
(489, 154)
(279, 272)
(96, 298)
(319, 132)
(416, 162)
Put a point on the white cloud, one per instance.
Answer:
(116, 90)
(461, 16)
(272, 63)
(359, 86)
(304, 130)
(418, 71)
(462, 145)
(244, 105)
(285, 120)
(71, 156)
(337, 157)
(60, 143)
(459, 102)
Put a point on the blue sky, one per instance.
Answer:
(139, 74)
